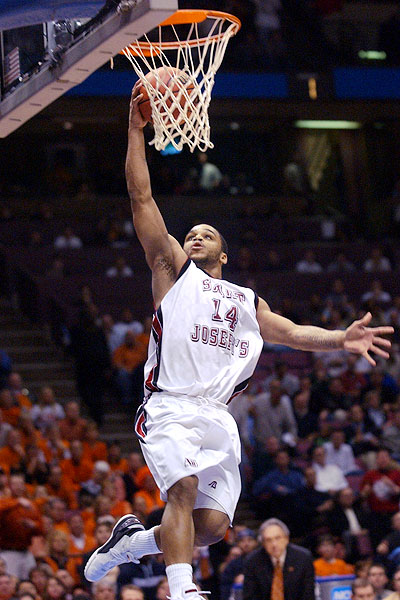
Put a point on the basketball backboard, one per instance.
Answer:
(67, 52)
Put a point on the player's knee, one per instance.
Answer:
(206, 538)
(212, 532)
(184, 491)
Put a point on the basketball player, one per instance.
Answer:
(207, 336)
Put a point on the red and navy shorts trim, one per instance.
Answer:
(156, 330)
(239, 389)
(140, 423)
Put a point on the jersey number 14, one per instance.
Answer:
(231, 315)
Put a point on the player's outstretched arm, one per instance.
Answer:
(164, 255)
(357, 338)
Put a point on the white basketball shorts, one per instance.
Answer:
(189, 436)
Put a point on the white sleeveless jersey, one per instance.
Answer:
(205, 339)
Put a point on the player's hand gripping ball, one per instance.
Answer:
(171, 83)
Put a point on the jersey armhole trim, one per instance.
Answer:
(256, 300)
(184, 268)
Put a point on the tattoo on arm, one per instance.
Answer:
(312, 338)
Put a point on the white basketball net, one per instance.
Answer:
(181, 117)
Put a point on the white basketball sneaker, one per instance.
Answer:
(192, 593)
(116, 550)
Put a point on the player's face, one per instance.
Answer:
(203, 245)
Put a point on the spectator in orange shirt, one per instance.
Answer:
(76, 468)
(4, 488)
(126, 359)
(130, 354)
(102, 507)
(56, 510)
(93, 448)
(34, 465)
(57, 554)
(20, 521)
(79, 543)
(112, 489)
(73, 427)
(101, 533)
(10, 408)
(59, 485)
(101, 512)
(115, 460)
(139, 508)
(12, 455)
(18, 390)
(86, 502)
(29, 434)
(4, 429)
(148, 490)
(329, 565)
(53, 446)
(135, 462)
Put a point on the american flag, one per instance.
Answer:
(11, 69)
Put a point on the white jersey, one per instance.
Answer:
(205, 339)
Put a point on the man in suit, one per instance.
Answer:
(349, 521)
(278, 570)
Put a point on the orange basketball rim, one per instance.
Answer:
(192, 41)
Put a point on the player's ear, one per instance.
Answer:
(223, 258)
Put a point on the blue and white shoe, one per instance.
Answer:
(116, 550)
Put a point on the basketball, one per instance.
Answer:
(169, 82)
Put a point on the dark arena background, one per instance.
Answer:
(304, 183)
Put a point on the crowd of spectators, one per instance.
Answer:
(61, 491)
(321, 452)
(321, 447)
(292, 34)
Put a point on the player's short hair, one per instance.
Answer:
(224, 244)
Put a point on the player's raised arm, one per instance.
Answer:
(357, 338)
(164, 255)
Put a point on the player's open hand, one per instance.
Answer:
(361, 339)
(135, 116)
